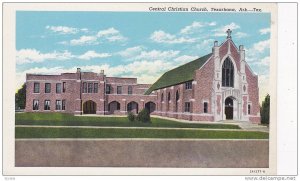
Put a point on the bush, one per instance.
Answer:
(131, 116)
(265, 110)
(144, 116)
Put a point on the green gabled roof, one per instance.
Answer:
(178, 75)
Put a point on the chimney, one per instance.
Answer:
(102, 72)
(78, 70)
(241, 47)
(215, 43)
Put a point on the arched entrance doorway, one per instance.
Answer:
(89, 107)
(133, 107)
(229, 108)
(113, 107)
(150, 106)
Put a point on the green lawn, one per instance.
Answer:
(30, 132)
(59, 119)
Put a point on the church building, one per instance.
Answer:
(214, 87)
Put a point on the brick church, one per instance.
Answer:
(217, 86)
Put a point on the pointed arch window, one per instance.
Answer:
(227, 73)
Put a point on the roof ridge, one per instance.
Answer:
(180, 74)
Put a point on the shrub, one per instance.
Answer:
(131, 116)
(144, 116)
(265, 110)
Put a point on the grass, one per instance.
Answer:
(59, 119)
(30, 132)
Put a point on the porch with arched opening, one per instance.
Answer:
(89, 107)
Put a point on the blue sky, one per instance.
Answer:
(133, 44)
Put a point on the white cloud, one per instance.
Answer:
(221, 31)
(84, 40)
(156, 55)
(261, 46)
(130, 52)
(263, 62)
(240, 35)
(33, 55)
(163, 37)
(195, 26)
(92, 54)
(111, 34)
(62, 29)
(264, 31)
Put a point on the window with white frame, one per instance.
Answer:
(63, 105)
(90, 87)
(187, 107)
(58, 105)
(47, 87)
(188, 85)
(47, 105)
(36, 87)
(58, 88)
(95, 87)
(35, 105)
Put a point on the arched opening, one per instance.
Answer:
(229, 108)
(89, 107)
(168, 102)
(113, 107)
(133, 107)
(227, 73)
(150, 106)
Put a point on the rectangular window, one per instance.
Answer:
(188, 85)
(108, 89)
(58, 88)
(249, 109)
(187, 107)
(64, 86)
(130, 89)
(84, 87)
(58, 105)
(205, 107)
(95, 87)
(47, 87)
(63, 105)
(47, 105)
(119, 89)
(35, 104)
(36, 87)
(90, 87)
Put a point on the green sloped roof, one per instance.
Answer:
(179, 75)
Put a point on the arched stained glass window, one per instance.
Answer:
(227, 73)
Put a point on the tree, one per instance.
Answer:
(20, 97)
(144, 116)
(265, 110)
